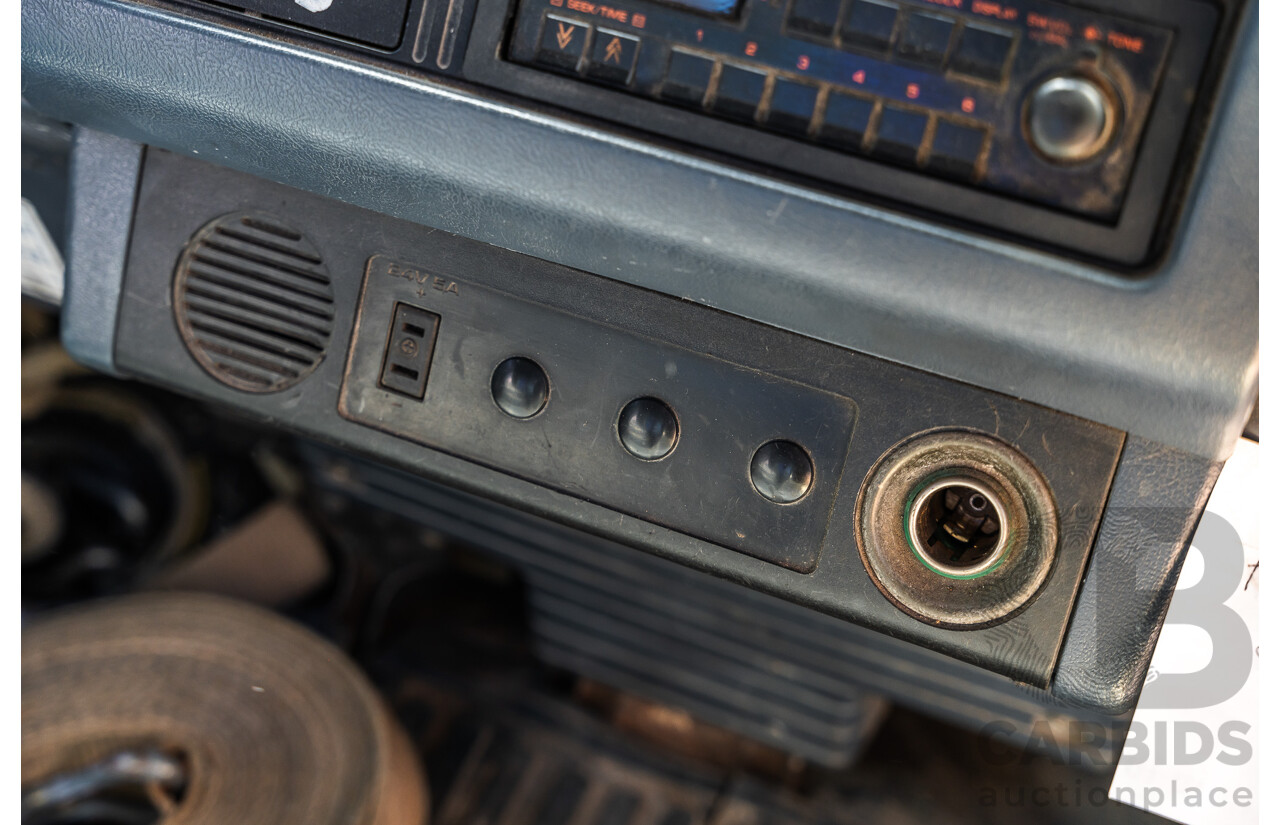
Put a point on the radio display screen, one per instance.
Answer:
(721, 8)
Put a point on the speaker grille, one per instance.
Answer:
(253, 302)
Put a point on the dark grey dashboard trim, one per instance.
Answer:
(103, 186)
(1172, 358)
(1157, 498)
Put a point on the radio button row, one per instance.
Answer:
(956, 150)
(869, 25)
(899, 134)
(814, 17)
(982, 53)
(791, 107)
(562, 43)
(613, 57)
(739, 92)
(925, 39)
(688, 77)
(846, 120)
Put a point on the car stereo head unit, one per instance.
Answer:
(1045, 102)
(1047, 120)
(1059, 124)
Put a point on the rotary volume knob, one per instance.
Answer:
(1071, 118)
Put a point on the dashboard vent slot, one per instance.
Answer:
(253, 302)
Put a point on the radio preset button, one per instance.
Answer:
(846, 120)
(613, 57)
(562, 43)
(688, 76)
(957, 150)
(899, 134)
(791, 107)
(814, 17)
(869, 25)
(739, 92)
(925, 39)
(982, 53)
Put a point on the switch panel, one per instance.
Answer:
(731, 446)
(694, 475)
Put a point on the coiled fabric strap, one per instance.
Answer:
(275, 724)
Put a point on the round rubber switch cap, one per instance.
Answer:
(648, 429)
(520, 387)
(782, 472)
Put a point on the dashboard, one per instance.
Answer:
(937, 318)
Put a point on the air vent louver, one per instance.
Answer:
(253, 302)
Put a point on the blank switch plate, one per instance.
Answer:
(727, 412)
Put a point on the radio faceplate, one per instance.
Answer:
(1043, 101)
(1077, 122)
(1041, 122)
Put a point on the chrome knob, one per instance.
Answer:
(1070, 118)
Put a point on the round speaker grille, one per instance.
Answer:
(253, 302)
